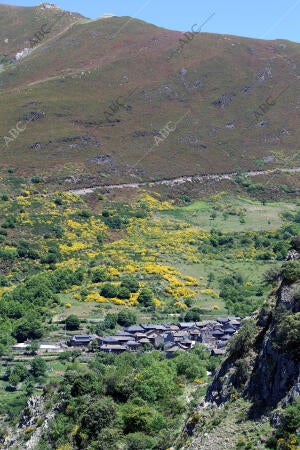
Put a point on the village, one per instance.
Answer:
(213, 334)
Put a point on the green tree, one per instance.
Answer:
(291, 270)
(138, 418)
(242, 341)
(145, 297)
(13, 379)
(109, 290)
(28, 329)
(38, 367)
(130, 283)
(140, 441)
(98, 415)
(21, 370)
(192, 315)
(123, 293)
(288, 334)
(126, 318)
(99, 275)
(72, 322)
(110, 321)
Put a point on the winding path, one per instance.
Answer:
(182, 180)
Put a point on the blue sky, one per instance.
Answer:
(265, 19)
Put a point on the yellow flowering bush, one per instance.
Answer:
(95, 297)
(117, 301)
(154, 203)
(113, 272)
(158, 303)
(209, 292)
(180, 305)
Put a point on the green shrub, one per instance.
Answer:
(99, 274)
(145, 297)
(130, 283)
(288, 334)
(243, 341)
(123, 293)
(126, 318)
(291, 270)
(140, 441)
(72, 322)
(38, 367)
(36, 179)
(109, 290)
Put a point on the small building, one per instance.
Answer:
(80, 340)
(218, 333)
(194, 333)
(188, 343)
(155, 339)
(108, 348)
(223, 320)
(135, 329)
(180, 335)
(21, 346)
(123, 339)
(133, 345)
(51, 347)
(225, 338)
(185, 325)
(235, 323)
(139, 336)
(107, 340)
(168, 338)
(175, 348)
(218, 352)
(229, 330)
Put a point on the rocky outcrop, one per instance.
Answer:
(275, 375)
(273, 372)
(34, 422)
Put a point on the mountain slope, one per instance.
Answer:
(19, 24)
(212, 91)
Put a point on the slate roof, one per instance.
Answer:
(218, 351)
(229, 330)
(135, 329)
(82, 337)
(225, 338)
(113, 347)
(218, 333)
(153, 327)
(108, 339)
(133, 344)
(175, 348)
(187, 324)
(223, 319)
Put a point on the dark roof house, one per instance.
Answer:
(80, 340)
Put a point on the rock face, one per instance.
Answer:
(273, 372)
(34, 411)
(275, 376)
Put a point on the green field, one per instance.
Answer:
(258, 216)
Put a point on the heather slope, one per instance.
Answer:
(212, 90)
